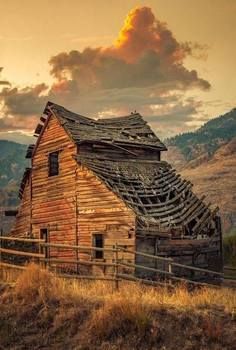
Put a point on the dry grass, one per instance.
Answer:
(45, 312)
(36, 284)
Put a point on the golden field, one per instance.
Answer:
(43, 312)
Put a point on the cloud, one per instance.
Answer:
(12, 123)
(26, 101)
(3, 82)
(17, 136)
(142, 70)
(145, 53)
(21, 107)
(176, 117)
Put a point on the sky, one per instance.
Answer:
(173, 61)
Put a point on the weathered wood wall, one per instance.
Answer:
(101, 211)
(202, 253)
(53, 198)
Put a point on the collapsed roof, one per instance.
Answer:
(159, 197)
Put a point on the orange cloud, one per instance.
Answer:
(142, 32)
(138, 34)
(146, 53)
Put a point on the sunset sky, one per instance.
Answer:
(171, 60)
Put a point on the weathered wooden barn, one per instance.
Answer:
(102, 182)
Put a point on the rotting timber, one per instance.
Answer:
(111, 182)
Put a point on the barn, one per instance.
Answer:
(103, 182)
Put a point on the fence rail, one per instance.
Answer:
(230, 268)
(21, 239)
(117, 265)
(3, 264)
(21, 253)
(172, 263)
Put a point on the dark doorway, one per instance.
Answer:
(98, 242)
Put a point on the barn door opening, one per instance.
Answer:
(98, 242)
(44, 236)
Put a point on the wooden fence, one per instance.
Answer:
(117, 268)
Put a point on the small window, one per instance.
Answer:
(98, 242)
(53, 164)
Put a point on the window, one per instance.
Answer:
(53, 164)
(98, 242)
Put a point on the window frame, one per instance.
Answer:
(51, 164)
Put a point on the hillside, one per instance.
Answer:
(43, 312)
(12, 165)
(207, 158)
(203, 143)
(216, 178)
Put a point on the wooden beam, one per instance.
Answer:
(76, 247)
(79, 262)
(21, 239)
(146, 255)
(3, 264)
(17, 252)
(96, 278)
(142, 267)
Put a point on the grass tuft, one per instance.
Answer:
(36, 284)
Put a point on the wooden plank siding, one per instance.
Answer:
(53, 197)
(101, 211)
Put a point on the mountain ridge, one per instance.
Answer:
(205, 141)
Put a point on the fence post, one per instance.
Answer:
(116, 267)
